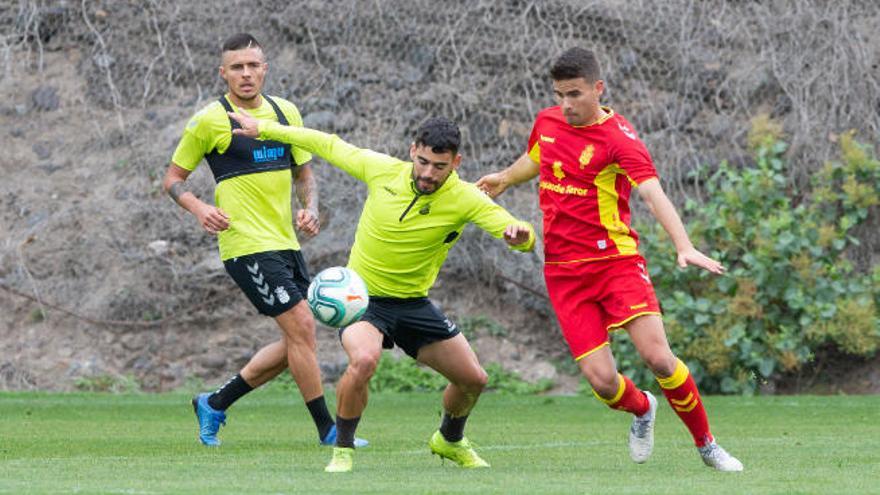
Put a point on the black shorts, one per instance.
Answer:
(409, 323)
(274, 281)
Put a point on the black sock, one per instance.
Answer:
(320, 415)
(451, 428)
(230, 392)
(345, 431)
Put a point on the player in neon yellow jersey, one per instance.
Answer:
(414, 213)
(253, 220)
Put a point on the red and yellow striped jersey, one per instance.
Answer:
(586, 177)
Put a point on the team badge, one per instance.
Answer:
(557, 170)
(282, 295)
(586, 156)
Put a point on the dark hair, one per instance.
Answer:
(440, 134)
(575, 63)
(240, 41)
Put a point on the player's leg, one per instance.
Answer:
(362, 342)
(618, 392)
(649, 338)
(454, 359)
(298, 326)
(210, 408)
(580, 294)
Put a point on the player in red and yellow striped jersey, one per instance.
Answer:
(589, 159)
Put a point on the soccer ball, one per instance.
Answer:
(337, 296)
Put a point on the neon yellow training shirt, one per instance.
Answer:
(400, 245)
(258, 204)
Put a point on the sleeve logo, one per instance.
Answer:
(626, 131)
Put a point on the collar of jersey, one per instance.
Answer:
(608, 114)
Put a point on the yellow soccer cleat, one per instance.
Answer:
(341, 461)
(459, 452)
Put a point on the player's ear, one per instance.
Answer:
(412, 151)
(456, 161)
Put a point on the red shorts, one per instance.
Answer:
(591, 298)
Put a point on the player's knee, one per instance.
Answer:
(363, 364)
(604, 382)
(478, 381)
(474, 383)
(661, 364)
(302, 339)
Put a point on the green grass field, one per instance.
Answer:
(145, 444)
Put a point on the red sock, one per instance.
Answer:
(682, 394)
(628, 398)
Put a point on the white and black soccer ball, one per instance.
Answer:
(337, 296)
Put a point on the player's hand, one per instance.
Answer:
(307, 221)
(693, 257)
(250, 127)
(515, 235)
(492, 184)
(212, 219)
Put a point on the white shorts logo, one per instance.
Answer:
(282, 294)
(602, 244)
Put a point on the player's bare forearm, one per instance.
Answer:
(522, 170)
(174, 185)
(665, 213)
(211, 218)
(306, 187)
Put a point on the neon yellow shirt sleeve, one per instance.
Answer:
(494, 219)
(357, 162)
(199, 138)
(300, 156)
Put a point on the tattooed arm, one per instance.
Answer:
(307, 194)
(211, 218)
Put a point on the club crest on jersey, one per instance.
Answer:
(586, 155)
(425, 209)
(557, 170)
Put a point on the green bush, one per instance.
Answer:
(790, 288)
(406, 375)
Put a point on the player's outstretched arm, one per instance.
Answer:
(522, 170)
(664, 211)
(355, 161)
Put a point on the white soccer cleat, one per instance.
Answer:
(716, 457)
(641, 433)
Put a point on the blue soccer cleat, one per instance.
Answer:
(210, 420)
(330, 439)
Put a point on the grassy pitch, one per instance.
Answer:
(145, 444)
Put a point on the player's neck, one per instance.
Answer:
(250, 104)
(598, 116)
